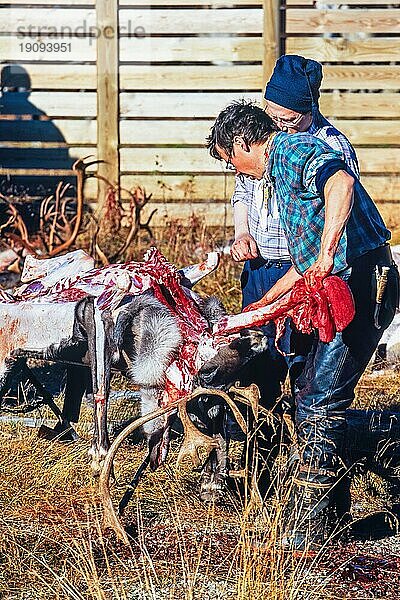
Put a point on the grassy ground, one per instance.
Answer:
(52, 545)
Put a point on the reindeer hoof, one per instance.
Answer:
(213, 487)
(97, 462)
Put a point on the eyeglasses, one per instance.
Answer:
(292, 123)
(229, 166)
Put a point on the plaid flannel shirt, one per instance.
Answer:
(263, 218)
(300, 165)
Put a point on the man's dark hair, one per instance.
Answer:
(243, 119)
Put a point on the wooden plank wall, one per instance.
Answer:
(358, 43)
(58, 115)
(196, 57)
(181, 61)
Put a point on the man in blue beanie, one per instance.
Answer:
(332, 226)
(292, 96)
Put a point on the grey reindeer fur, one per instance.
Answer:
(150, 336)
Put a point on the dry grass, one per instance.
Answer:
(51, 541)
(52, 544)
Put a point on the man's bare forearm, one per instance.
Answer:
(240, 219)
(244, 247)
(338, 193)
(283, 285)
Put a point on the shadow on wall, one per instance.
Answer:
(23, 122)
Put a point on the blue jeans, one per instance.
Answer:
(258, 277)
(269, 369)
(325, 389)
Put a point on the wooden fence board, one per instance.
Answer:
(344, 50)
(136, 132)
(249, 77)
(183, 187)
(79, 131)
(300, 2)
(63, 104)
(347, 104)
(192, 160)
(178, 21)
(165, 160)
(367, 132)
(381, 77)
(42, 20)
(49, 3)
(197, 3)
(214, 214)
(190, 49)
(179, 104)
(382, 188)
(13, 47)
(342, 21)
(164, 132)
(152, 77)
(379, 160)
(347, 3)
(70, 77)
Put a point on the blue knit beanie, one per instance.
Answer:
(295, 83)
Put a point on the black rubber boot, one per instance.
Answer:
(62, 432)
(313, 512)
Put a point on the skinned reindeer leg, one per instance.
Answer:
(98, 338)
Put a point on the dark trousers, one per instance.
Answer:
(325, 389)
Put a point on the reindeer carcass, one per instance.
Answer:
(64, 302)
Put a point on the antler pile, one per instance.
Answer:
(58, 226)
(114, 213)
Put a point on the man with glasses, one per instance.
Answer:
(292, 104)
(332, 226)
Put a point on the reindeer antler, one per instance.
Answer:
(110, 518)
(193, 441)
(80, 169)
(53, 219)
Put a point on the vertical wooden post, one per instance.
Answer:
(271, 36)
(107, 95)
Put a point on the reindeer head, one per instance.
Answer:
(223, 369)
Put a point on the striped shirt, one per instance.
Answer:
(263, 216)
